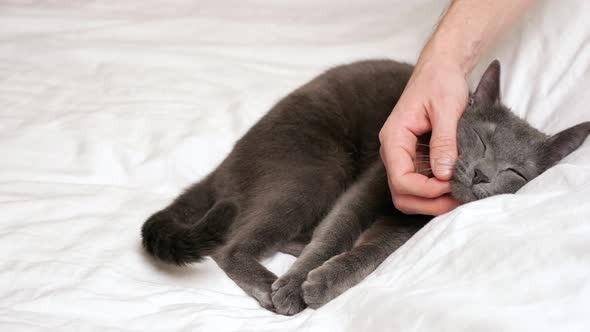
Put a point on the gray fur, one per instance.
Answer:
(307, 180)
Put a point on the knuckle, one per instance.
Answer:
(382, 136)
(454, 103)
(402, 205)
(397, 203)
(398, 186)
(385, 132)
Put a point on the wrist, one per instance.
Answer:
(457, 57)
(445, 65)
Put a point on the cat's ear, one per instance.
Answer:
(566, 142)
(488, 89)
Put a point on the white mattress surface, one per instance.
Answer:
(109, 108)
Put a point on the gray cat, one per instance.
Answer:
(307, 180)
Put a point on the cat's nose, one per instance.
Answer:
(479, 177)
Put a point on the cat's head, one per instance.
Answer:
(499, 152)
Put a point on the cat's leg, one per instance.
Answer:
(261, 232)
(354, 211)
(347, 269)
(295, 247)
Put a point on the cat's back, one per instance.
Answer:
(329, 124)
(343, 103)
(349, 88)
(379, 72)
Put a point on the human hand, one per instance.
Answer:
(433, 100)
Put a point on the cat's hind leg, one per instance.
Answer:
(166, 237)
(190, 227)
(262, 231)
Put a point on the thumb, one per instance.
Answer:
(443, 145)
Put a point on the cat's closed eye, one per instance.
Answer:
(480, 140)
(516, 172)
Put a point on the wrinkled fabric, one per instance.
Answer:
(108, 109)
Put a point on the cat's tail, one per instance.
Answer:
(170, 240)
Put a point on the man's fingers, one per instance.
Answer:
(419, 185)
(402, 174)
(443, 142)
(409, 204)
(403, 178)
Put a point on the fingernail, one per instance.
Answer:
(444, 166)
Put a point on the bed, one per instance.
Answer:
(109, 108)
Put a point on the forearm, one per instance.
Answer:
(469, 29)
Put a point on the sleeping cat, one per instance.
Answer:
(307, 180)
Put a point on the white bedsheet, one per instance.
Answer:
(109, 108)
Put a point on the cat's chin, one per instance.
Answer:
(461, 192)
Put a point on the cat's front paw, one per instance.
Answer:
(263, 296)
(287, 296)
(324, 284)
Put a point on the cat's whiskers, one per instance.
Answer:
(445, 154)
(442, 163)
